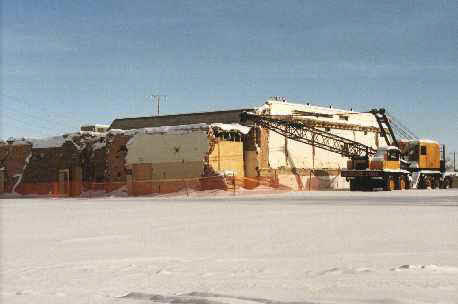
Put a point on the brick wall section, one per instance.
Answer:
(44, 165)
(116, 152)
(13, 158)
(85, 164)
(230, 116)
(93, 163)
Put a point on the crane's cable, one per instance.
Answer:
(398, 122)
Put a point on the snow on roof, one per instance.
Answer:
(21, 141)
(92, 133)
(305, 107)
(116, 131)
(99, 145)
(49, 142)
(232, 127)
(386, 148)
(325, 114)
(180, 129)
(423, 140)
(53, 141)
(183, 129)
(95, 125)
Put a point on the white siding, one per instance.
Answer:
(300, 155)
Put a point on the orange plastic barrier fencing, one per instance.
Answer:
(285, 182)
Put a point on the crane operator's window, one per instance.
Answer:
(423, 150)
(393, 155)
(412, 152)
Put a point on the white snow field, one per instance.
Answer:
(307, 247)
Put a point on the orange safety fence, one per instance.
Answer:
(186, 186)
(72, 188)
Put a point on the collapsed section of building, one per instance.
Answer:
(196, 151)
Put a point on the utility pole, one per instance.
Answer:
(158, 98)
(454, 161)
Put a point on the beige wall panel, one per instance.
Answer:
(167, 148)
(168, 156)
(177, 170)
(228, 156)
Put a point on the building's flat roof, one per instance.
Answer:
(225, 116)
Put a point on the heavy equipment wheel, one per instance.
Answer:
(402, 183)
(427, 182)
(390, 184)
(421, 183)
(447, 183)
(435, 183)
(354, 185)
(408, 182)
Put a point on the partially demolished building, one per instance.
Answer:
(196, 151)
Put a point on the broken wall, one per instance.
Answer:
(227, 156)
(288, 153)
(13, 159)
(40, 166)
(302, 166)
(116, 173)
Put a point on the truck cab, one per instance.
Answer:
(386, 158)
(385, 170)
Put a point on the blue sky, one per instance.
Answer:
(67, 63)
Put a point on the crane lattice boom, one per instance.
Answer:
(297, 130)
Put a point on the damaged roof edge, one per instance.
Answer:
(178, 119)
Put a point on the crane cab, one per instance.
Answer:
(385, 170)
(386, 158)
(422, 154)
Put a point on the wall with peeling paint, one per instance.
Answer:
(288, 153)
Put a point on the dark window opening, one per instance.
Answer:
(423, 150)
(393, 155)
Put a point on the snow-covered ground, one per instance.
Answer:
(309, 247)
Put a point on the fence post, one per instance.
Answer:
(186, 186)
(310, 181)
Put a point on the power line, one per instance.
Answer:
(158, 99)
